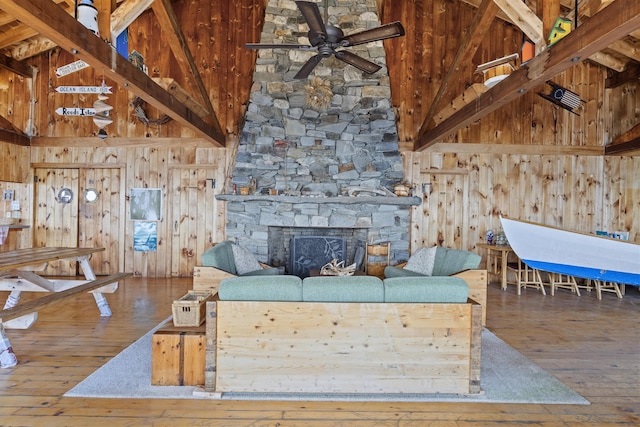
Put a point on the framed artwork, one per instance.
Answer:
(146, 204)
(145, 236)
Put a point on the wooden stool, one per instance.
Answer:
(178, 355)
(526, 277)
(602, 286)
(563, 281)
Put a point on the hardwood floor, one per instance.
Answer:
(592, 346)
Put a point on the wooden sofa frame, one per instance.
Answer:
(321, 347)
(209, 278)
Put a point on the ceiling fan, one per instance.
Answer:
(326, 39)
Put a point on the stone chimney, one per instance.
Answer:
(322, 152)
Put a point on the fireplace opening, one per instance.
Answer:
(280, 249)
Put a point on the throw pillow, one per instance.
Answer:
(245, 261)
(422, 261)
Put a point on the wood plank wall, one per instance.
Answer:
(583, 193)
(576, 192)
(189, 224)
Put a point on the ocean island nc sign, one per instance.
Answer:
(84, 89)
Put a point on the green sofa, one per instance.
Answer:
(343, 334)
(344, 289)
(224, 256)
(447, 262)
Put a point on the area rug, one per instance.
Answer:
(506, 376)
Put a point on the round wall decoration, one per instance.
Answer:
(136, 103)
(90, 195)
(65, 195)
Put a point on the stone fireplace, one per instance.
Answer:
(318, 154)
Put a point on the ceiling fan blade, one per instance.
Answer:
(311, 13)
(308, 67)
(387, 31)
(357, 61)
(278, 46)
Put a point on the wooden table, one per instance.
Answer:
(497, 258)
(18, 274)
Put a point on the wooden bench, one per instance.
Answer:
(34, 305)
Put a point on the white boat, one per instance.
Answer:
(577, 254)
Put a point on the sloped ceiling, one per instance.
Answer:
(608, 34)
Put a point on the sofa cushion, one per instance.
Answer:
(269, 271)
(392, 271)
(220, 256)
(244, 260)
(256, 288)
(342, 289)
(452, 261)
(422, 261)
(443, 289)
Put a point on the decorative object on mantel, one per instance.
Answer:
(497, 70)
(563, 97)
(335, 268)
(402, 190)
(319, 93)
(355, 191)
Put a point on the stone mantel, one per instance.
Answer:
(371, 200)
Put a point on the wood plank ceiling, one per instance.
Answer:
(608, 34)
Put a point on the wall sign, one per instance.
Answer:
(84, 89)
(75, 111)
(71, 68)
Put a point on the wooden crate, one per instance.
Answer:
(189, 310)
(178, 355)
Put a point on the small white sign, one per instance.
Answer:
(74, 111)
(71, 68)
(84, 89)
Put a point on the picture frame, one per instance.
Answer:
(145, 204)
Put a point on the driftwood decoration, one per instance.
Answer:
(142, 116)
(335, 268)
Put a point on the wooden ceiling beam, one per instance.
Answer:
(548, 11)
(17, 67)
(54, 23)
(32, 47)
(525, 19)
(627, 143)
(629, 75)
(605, 27)
(468, 47)
(609, 61)
(125, 14)
(9, 133)
(17, 34)
(626, 48)
(14, 138)
(177, 42)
